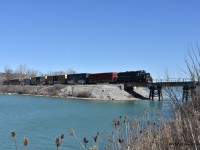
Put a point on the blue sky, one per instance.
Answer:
(98, 35)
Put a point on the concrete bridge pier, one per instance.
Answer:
(155, 91)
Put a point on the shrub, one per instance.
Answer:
(84, 94)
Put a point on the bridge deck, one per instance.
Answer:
(165, 82)
(171, 84)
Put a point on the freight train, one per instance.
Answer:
(86, 78)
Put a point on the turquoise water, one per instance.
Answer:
(42, 119)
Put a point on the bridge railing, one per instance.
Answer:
(172, 80)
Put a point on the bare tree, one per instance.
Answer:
(24, 72)
(8, 73)
(56, 73)
(32, 73)
(71, 71)
(186, 113)
(61, 72)
(21, 71)
(193, 63)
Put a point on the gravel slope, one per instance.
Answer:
(98, 92)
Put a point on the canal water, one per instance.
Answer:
(42, 119)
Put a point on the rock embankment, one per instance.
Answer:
(98, 92)
(101, 92)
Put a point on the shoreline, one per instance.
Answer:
(84, 92)
(71, 97)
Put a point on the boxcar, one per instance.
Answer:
(81, 78)
(109, 77)
(38, 80)
(56, 79)
(14, 82)
(26, 81)
(6, 82)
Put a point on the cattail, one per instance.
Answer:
(72, 132)
(13, 134)
(126, 119)
(57, 142)
(118, 123)
(25, 141)
(96, 137)
(148, 123)
(62, 136)
(85, 140)
(97, 133)
(115, 122)
(121, 140)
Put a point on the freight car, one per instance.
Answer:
(134, 76)
(38, 80)
(6, 82)
(26, 81)
(57, 79)
(17, 82)
(110, 77)
(14, 82)
(81, 78)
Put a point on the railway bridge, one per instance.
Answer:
(155, 88)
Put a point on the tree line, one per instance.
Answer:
(22, 71)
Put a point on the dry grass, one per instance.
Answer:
(141, 132)
(182, 133)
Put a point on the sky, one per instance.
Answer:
(98, 35)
